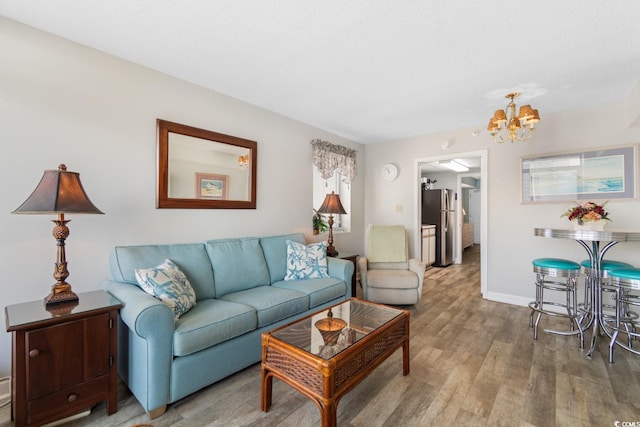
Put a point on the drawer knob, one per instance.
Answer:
(34, 353)
(72, 397)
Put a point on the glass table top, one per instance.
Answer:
(347, 324)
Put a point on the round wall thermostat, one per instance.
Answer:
(389, 172)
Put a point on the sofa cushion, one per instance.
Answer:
(275, 253)
(306, 261)
(272, 304)
(192, 259)
(211, 322)
(167, 283)
(319, 290)
(238, 264)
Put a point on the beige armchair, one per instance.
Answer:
(387, 275)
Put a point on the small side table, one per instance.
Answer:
(64, 358)
(354, 259)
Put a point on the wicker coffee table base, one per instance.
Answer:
(326, 381)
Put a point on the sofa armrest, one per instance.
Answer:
(145, 315)
(341, 269)
(145, 345)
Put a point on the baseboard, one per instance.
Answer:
(507, 299)
(5, 389)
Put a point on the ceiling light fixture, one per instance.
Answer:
(506, 126)
(454, 166)
(243, 162)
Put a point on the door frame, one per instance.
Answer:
(484, 241)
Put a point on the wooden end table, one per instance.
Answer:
(325, 370)
(64, 358)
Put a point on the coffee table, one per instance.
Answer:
(324, 368)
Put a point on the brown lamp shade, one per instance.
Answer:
(59, 191)
(332, 205)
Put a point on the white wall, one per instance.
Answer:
(511, 244)
(64, 103)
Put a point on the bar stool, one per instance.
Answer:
(556, 268)
(590, 275)
(624, 281)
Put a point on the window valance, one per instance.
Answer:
(328, 158)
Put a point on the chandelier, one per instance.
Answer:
(506, 126)
(243, 162)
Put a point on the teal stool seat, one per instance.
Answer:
(626, 282)
(557, 275)
(630, 276)
(556, 263)
(606, 266)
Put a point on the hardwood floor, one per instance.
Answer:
(473, 363)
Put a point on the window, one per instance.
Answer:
(334, 169)
(322, 187)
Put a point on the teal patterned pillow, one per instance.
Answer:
(167, 283)
(306, 262)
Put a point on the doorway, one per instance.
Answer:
(479, 173)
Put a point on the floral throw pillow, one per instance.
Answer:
(167, 283)
(306, 261)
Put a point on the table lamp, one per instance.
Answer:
(331, 205)
(59, 192)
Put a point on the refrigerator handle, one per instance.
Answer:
(446, 210)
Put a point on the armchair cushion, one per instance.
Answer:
(392, 279)
(387, 243)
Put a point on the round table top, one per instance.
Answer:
(590, 235)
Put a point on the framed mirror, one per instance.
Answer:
(201, 169)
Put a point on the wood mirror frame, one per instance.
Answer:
(165, 198)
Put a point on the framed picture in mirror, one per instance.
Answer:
(211, 186)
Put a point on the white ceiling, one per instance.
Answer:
(369, 70)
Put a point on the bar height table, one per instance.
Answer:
(596, 243)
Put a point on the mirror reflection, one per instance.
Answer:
(203, 169)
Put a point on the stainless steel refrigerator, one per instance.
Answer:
(438, 208)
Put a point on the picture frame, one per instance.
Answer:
(212, 186)
(605, 173)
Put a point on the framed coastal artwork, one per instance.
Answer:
(212, 186)
(607, 173)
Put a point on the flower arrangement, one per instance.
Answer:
(587, 212)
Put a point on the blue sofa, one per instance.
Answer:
(240, 293)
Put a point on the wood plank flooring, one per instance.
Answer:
(473, 363)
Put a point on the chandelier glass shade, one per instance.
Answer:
(505, 125)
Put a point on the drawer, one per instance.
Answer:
(71, 399)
